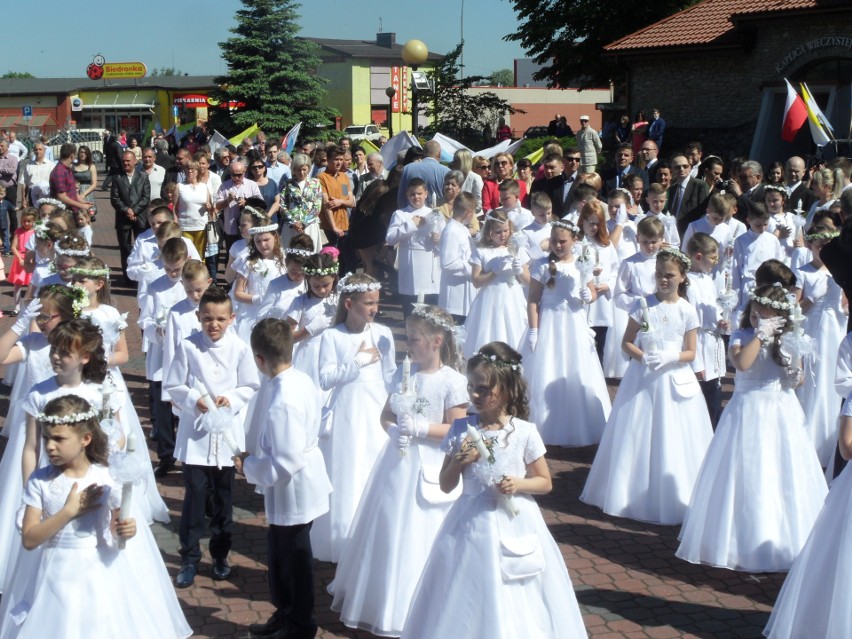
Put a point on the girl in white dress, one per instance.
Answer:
(314, 310)
(492, 574)
(659, 428)
(46, 234)
(54, 305)
(283, 290)
(71, 513)
(816, 599)
(499, 312)
(402, 506)
(781, 222)
(592, 223)
(92, 275)
(357, 360)
(761, 487)
(568, 396)
(823, 304)
(265, 262)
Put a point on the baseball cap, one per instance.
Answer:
(584, 117)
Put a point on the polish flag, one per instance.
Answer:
(795, 114)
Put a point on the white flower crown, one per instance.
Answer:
(330, 270)
(494, 218)
(70, 252)
(50, 200)
(816, 237)
(422, 311)
(299, 252)
(269, 228)
(344, 287)
(500, 363)
(675, 253)
(567, 225)
(80, 297)
(73, 418)
(254, 212)
(770, 303)
(89, 272)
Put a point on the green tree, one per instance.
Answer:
(502, 78)
(165, 72)
(459, 112)
(16, 75)
(567, 36)
(272, 71)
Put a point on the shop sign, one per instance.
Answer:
(190, 100)
(100, 69)
(395, 100)
(822, 42)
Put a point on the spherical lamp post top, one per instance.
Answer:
(414, 53)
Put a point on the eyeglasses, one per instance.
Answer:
(482, 167)
(258, 166)
(681, 166)
(44, 319)
(572, 159)
(237, 174)
(647, 149)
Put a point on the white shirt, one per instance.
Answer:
(457, 292)
(162, 295)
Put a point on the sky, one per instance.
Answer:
(185, 35)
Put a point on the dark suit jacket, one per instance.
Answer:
(652, 171)
(692, 206)
(554, 188)
(609, 178)
(757, 195)
(133, 193)
(837, 257)
(804, 194)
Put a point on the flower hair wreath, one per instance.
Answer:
(254, 212)
(89, 272)
(329, 270)
(817, 237)
(73, 418)
(676, 254)
(50, 200)
(567, 225)
(79, 297)
(257, 230)
(70, 252)
(41, 230)
(770, 303)
(343, 287)
(422, 311)
(500, 363)
(299, 252)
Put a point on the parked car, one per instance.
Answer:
(362, 132)
(536, 132)
(92, 138)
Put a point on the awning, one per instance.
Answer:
(123, 107)
(40, 121)
(17, 121)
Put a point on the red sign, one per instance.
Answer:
(130, 123)
(190, 100)
(405, 84)
(395, 100)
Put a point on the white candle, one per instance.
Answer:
(507, 502)
(406, 374)
(646, 315)
(126, 488)
(205, 397)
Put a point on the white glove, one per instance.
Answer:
(256, 299)
(363, 358)
(22, 324)
(770, 326)
(621, 216)
(517, 265)
(317, 325)
(412, 426)
(400, 441)
(656, 360)
(507, 265)
(586, 294)
(532, 338)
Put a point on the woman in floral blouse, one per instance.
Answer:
(301, 202)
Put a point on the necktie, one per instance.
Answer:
(677, 199)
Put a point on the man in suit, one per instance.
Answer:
(748, 187)
(129, 196)
(614, 178)
(686, 197)
(656, 128)
(650, 151)
(375, 171)
(560, 184)
(589, 145)
(794, 173)
(112, 159)
(430, 170)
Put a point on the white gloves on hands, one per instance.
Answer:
(363, 358)
(517, 265)
(412, 426)
(532, 338)
(317, 325)
(771, 326)
(256, 299)
(657, 359)
(400, 441)
(22, 324)
(586, 294)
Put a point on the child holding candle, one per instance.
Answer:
(760, 488)
(402, 507)
(824, 308)
(510, 562)
(659, 429)
(709, 362)
(69, 503)
(634, 281)
(357, 361)
(565, 377)
(720, 224)
(217, 364)
(592, 223)
(499, 310)
(288, 464)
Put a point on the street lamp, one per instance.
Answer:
(414, 53)
(390, 92)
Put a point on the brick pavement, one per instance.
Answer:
(627, 580)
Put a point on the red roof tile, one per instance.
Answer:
(704, 23)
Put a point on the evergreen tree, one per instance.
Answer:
(460, 113)
(271, 71)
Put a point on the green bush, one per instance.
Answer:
(534, 144)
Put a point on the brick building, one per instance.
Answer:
(716, 71)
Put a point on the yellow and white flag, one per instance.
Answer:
(820, 127)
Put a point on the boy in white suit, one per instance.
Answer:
(290, 466)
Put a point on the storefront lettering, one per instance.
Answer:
(823, 42)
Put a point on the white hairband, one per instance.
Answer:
(269, 228)
(50, 200)
(297, 251)
(344, 287)
(73, 418)
(567, 225)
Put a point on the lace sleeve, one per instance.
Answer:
(455, 436)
